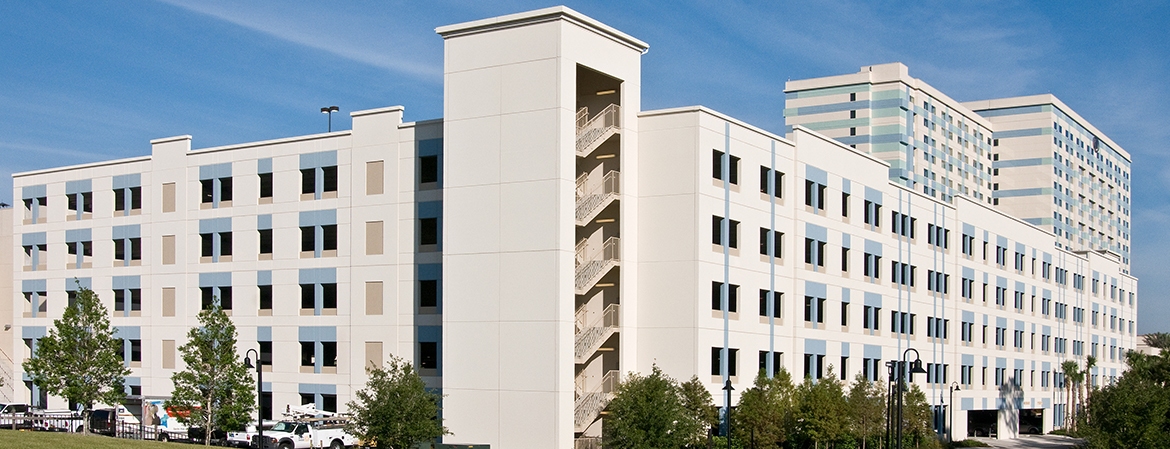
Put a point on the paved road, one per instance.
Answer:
(1034, 441)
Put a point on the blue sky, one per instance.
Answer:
(87, 81)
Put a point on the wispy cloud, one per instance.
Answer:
(339, 38)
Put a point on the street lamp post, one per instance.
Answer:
(892, 365)
(951, 426)
(330, 110)
(728, 388)
(259, 390)
(915, 368)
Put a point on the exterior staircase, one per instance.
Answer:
(592, 198)
(592, 132)
(590, 337)
(592, 266)
(589, 404)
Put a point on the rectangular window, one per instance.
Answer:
(428, 355)
(428, 169)
(775, 299)
(128, 197)
(717, 231)
(814, 252)
(328, 244)
(265, 241)
(216, 191)
(844, 204)
(872, 214)
(771, 182)
(428, 231)
(814, 195)
(265, 185)
(717, 167)
(871, 369)
(814, 309)
(869, 317)
(717, 297)
(844, 259)
(132, 245)
(771, 242)
(814, 365)
(872, 266)
(216, 245)
(776, 359)
(79, 204)
(121, 300)
(844, 315)
(265, 297)
(428, 293)
(716, 361)
(209, 298)
(328, 179)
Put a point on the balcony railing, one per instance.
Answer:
(592, 336)
(592, 267)
(590, 405)
(595, 131)
(592, 200)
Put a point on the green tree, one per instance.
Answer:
(214, 387)
(81, 359)
(821, 410)
(917, 417)
(1160, 340)
(395, 410)
(867, 409)
(1087, 384)
(765, 411)
(1134, 411)
(1071, 374)
(700, 410)
(647, 413)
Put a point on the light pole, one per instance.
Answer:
(330, 110)
(915, 368)
(259, 391)
(951, 415)
(892, 365)
(728, 388)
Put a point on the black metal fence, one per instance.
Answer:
(75, 424)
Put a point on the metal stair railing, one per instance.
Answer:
(590, 269)
(589, 406)
(6, 374)
(593, 336)
(582, 117)
(594, 132)
(590, 203)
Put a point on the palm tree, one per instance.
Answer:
(1090, 363)
(1070, 370)
(1160, 340)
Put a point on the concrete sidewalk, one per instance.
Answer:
(1034, 441)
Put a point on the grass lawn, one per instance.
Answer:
(54, 440)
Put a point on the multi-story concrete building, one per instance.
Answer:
(1089, 183)
(1058, 171)
(547, 235)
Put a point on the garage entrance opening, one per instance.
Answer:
(1031, 421)
(983, 423)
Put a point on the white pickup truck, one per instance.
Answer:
(307, 427)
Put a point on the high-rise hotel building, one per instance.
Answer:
(1032, 157)
(547, 235)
